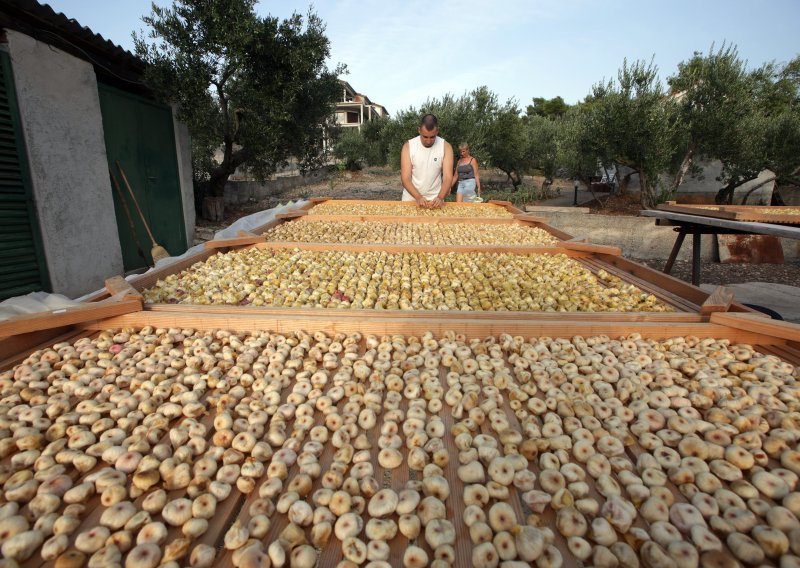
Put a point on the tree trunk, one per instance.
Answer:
(648, 198)
(624, 182)
(725, 195)
(214, 208)
(757, 186)
(685, 165)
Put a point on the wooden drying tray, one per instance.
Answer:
(507, 205)
(775, 338)
(300, 215)
(751, 213)
(686, 299)
(686, 310)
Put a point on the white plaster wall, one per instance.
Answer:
(63, 129)
(706, 186)
(183, 149)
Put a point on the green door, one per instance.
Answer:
(22, 260)
(139, 135)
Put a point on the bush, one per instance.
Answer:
(351, 149)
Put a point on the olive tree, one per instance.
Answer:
(744, 118)
(638, 126)
(257, 89)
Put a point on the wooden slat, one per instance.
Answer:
(120, 288)
(776, 230)
(720, 300)
(453, 317)
(529, 217)
(745, 213)
(414, 219)
(691, 210)
(589, 247)
(293, 214)
(391, 248)
(566, 328)
(67, 316)
(758, 324)
(234, 242)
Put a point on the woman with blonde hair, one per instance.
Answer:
(467, 176)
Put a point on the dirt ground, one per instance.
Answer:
(384, 184)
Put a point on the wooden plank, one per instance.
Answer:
(316, 200)
(451, 316)
(755, 228)
(292, 214)
(414, 219)
(121, 289)
(527, 217)
(758, 324)
(577, 240)
(556, 209)
(241, 233)
(694, 210)
(567, 327)
(396, 249)
(27, 323)
(234, 242)
(720, 300)
(745, 213)
(589, 247)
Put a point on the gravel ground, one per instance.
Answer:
(723, 274)
(384, 184)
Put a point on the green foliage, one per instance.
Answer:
(636, 125)
(548, 108)
(259, 88)
(744, 118)
(577, 148)
(377, 149)
(351, 149)
(524, 195)
(541, 148)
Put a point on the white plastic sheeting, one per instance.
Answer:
(33, 303)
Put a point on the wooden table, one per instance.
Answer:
(698, 225)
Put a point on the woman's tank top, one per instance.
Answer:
(466, 171)
(426, 168)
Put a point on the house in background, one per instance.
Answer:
(72, 107)
(355, 109)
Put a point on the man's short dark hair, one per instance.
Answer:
(429, 121)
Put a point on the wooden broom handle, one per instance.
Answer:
(125, 179)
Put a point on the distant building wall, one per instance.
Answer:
(704, 187)
(63, 129)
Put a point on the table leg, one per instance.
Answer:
(675, 250)
(696, 241)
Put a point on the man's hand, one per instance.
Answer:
(437, 203)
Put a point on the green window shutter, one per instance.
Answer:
(22, 265)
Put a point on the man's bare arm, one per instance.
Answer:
(447, 175)
(405, 176)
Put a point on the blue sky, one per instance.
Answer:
(401, 53)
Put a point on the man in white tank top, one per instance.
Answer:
(426, 165)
